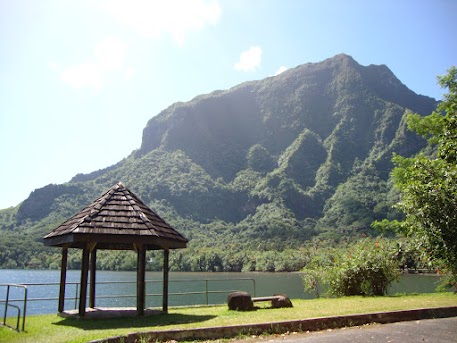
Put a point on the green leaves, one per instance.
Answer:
(259, 159)
(428, 184)
(366, 268)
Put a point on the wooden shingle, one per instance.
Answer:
(117, 217)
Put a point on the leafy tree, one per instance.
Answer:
(427, 183)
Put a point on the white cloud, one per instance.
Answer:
(84, 75)
(250, 59)
(280, 70)
(153, 18)
(109, 57)
(110, 53)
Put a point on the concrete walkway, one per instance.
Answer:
(443, 330)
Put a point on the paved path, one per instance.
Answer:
(430, 330)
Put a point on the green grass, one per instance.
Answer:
(51, 328)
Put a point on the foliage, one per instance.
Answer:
(315, 272)
(259, 159)
(428, 184)
(386, 226)
(17, 252)
(358, 202)
(366, 268)
(301, 160)
(239, 257)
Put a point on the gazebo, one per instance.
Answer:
(118, 220)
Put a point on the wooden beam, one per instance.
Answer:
(91, 246)
(93, 261)
(83, 288)
(63, 279)
(166, 254)
(140, 280)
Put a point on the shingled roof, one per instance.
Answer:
(116, 220)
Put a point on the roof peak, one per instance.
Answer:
(118, 215)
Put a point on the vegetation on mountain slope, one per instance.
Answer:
(252, 173)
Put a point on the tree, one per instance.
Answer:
(428, 181)
(259, 159)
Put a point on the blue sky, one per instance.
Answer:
(80, 79)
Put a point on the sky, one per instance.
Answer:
(80, 79)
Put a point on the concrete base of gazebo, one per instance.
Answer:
(108, 312)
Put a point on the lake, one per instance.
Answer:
(117, 289)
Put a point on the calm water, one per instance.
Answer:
(122, 293)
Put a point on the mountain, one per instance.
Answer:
(281, 160)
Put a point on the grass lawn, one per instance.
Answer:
(51, 328)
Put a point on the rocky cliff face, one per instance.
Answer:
(348, 106)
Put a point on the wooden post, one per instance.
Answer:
(93, 261)
(63, 279)
(166, 254)
(140, 280)
(83, 288)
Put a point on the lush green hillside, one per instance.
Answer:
(260, 168)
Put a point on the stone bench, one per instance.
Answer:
(277, 300)
(242, 301)
(274, 297)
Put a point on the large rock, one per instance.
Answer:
(282, 300)
(240, 301)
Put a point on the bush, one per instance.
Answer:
(366, 268)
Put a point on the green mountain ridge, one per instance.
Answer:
(281, 159)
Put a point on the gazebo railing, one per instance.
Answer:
(207, 291)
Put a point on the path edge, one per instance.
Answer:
(301, 325)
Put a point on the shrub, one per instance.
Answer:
(366, 268)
